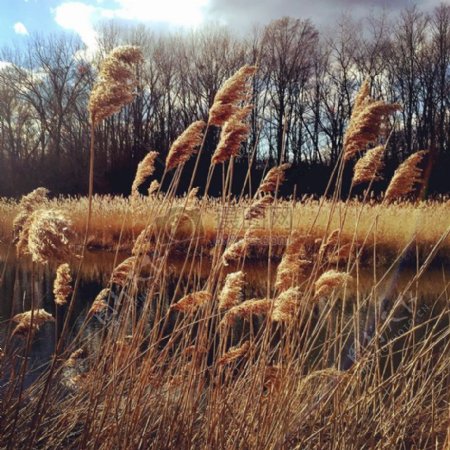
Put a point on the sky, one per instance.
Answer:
(20, 18)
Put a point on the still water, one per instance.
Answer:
(20, 280)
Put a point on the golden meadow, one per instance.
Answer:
(188, 361)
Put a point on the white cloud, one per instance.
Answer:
(20, 28)
(5, 64)
(78, 17)
(81, 17)
(175, 12)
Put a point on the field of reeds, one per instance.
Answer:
(182, 361)
(117, 221)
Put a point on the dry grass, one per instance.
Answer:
(391, 227)
(207, 361)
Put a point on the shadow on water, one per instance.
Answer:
(422, 304)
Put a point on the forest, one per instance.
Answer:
(301, 95)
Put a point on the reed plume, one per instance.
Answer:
(185, 145)
(153, 188)
(191, 302)
(121, 273)
(30, 321)
(27, 205)
(234, 132)
(116, 84)
(100, 302)
(291, 264)
(231, 293)
(369, 166)
(405, 177)
(274, 178)
(362, 96)
(191, 197)
(46, 236)
(330, 281)
(365, 122)
(234, 252)
(230, 95)
(257, 209)
(238, 249)
(75, 358)
(62, 286)
(286, 305)
(253, 307)
(233, 354)
(144, 169)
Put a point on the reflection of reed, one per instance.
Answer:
(99, 265)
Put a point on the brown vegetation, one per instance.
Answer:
(206, 363)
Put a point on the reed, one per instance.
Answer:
(185, 145)
(231, 293)
(234, 132)
(407, 175)
(368, 168)
(62, 287)
(230, 95)
(144, 170)
(365, 122)
(182, 355)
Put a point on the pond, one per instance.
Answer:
(21, 281)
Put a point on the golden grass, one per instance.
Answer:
(206, 360)
(391, 227)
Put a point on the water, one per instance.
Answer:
(21, 280)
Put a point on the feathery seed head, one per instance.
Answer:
(405, 177)
(185, 145)
(27, 205)
(257, 210)
(121, 273)
(191, 302)
(291, 264)
(274, 178)
(100, 303)
(330, 281)
(116, 84)
(368, 167)
(233, 134)
(246, 309)
(231, 293)
(46, 236)
(30, 321)
(233, 354)
(364, 126)
(228, 97)
(286, 305)
(144, 169)
(153, 188)
(62, 286)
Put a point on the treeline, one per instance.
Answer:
(302, 97)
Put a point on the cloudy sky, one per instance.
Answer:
(19, 18)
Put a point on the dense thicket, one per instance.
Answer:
(302, 98)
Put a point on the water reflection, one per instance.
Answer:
(22, 280)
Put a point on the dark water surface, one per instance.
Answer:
(21, 280)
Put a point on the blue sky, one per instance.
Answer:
(18, 18)
(32, 14)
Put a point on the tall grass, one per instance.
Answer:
(205, 362)
(396, 222)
